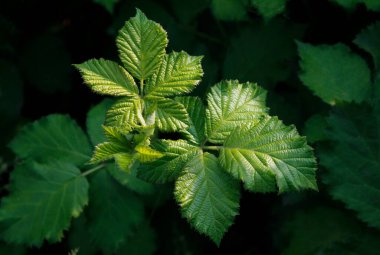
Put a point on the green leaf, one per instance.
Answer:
(264, 52)
(231, 105)
(123, 113)
(269, 9)
(113, 214)
(267, 153)
(229, 10)
(197, 115)
(369, 40)
(147, 154)
(187, 10)
(44, 197)
(141, 43)
(168, 168)
(170, 116)
(334, 73)
(208, 197)
(107, 78)
(56, 137)
(109, 5)
(353, 163)
(109, 150)
(179, 73)
(95, 119)
(130, 180)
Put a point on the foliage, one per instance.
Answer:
(233, 111)
(151, 162)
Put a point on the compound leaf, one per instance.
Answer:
(179, 73)
(231, 105)
(56, 137)
(141, 43)
(168, 168)
(114, 213)
(267, 153)
(334, 73)
(197, 115)
(107, 78)
(208, 197)
(44, 197)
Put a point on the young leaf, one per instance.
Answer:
(269, 9)
(171, 116)
(95, 119)
(113, 214)
(56, 137)
(197, 115)
(168, 168)
(231, 105)
(107, 78)
(141, 43)
(147, 154)
(267, 153)
(353, 164)
(208, 197)
(43, 199)
(369, 40)
(123, 113)
(334, 73)
(179, 73)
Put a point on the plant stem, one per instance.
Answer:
(142, 87)
(92, 170)
(215, 148)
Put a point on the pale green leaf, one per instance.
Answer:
(334, 73)
(269, 9)
(168, 168)
(107, 78)
(95, 119)
(43, 199)
(123, 113)
(179, 73)
(141, 43)
(267, 153)
(229, 10)
(197, 115)
(108, 150)
(147, 154)
(231, 105)
(56, 137)
(369, 40)
(113, 214)
(170, 115)
(208, 197)
(353, 163)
